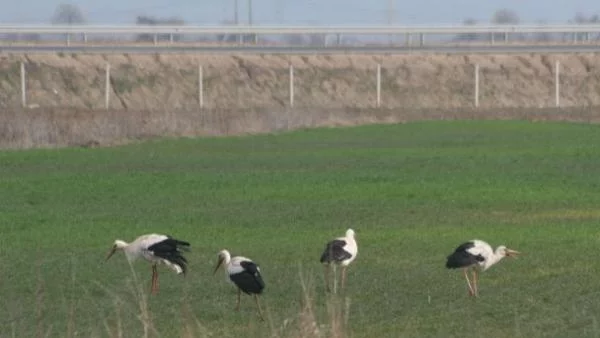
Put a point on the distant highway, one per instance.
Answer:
(249, 49)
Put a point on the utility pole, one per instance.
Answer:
(390, 17)
(390, 12)
(236, 19)
(249, 12)
(252, 37)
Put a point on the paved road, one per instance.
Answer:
(303, 50)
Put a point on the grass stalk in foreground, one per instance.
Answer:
(309, 322)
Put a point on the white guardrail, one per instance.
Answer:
(278, 30)
(248, 35)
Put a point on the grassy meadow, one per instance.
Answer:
(412, 192)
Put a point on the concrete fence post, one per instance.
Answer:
(200, 86)
(557, 83)
(378, 85)
(107, 87)
(23, 86)
(476, 85)
(291, 85)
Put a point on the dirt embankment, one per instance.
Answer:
(167, 82)
(158, 95)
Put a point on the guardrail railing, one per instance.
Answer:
(253, 33)
(276, 30)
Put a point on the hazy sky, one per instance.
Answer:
(300, 11)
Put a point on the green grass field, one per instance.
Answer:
(412, 192)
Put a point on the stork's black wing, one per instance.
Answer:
(170, 249)
(465, 246)
(250, 280)
(461, 258)
(181, 245)
(334, 251)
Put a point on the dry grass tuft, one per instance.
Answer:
(49, 128)
(308, 323)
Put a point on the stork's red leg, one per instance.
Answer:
(343, 277)
(154, 289)
(157, 283)
(153, 278)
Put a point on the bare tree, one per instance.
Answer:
(582, 19)
(505, 16)
(468, 36)
(144, 20)
(227, 37)
(68, 14)
(542, 37)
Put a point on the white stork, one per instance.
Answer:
(245, 274)
(340, 251)
(155, 249)
(478, 255)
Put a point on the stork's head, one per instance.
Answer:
(224, 258)
(350, 233)
(504, 251)
(119, 244)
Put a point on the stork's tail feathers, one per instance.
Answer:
(254, 270)
(183, 245)
(170, 250)
(178, 263)
(178, 258)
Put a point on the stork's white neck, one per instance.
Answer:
(350, 233)
(226, 256)
(493, 259)
(121, 244)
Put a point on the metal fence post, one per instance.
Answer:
(557, 83)
(200, 86)
(107, 87)
(291, 85)
(477, 85)
(378, 85)
(23, 86)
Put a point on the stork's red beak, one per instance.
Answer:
(111, 252)
(511, 253)
(221, 259)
